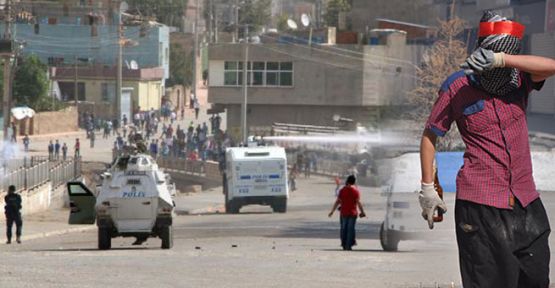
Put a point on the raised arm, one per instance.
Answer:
(540, 68)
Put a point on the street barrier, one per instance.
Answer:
(36, 171)
(207, 169)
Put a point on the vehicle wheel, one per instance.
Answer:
(234, 207)
(166, 233)
(280, 205)
(104, 238)
(387, 240)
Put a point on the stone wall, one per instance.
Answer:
(53, 122)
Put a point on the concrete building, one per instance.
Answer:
(364, 13)
(97, 84)
(60, 32)
(298, 84)
(62, 44)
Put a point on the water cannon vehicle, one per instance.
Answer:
(255, 175)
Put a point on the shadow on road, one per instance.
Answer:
(94, 249)
(328, 230)
(361, 250)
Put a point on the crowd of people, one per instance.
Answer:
(162, 136)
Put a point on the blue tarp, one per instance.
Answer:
(449, 164)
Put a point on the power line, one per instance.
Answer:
(381, 58)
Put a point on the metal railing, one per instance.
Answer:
(184, 165)
(206, 169)
(323, 166)
(37, 171)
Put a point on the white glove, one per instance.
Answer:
(430, 202)
(482, 60)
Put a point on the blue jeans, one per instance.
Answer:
(348, 231)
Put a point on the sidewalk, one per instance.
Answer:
(205, 202)
(44, 224)
(54, 222)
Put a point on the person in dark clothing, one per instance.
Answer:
(50, 151)
(13, 215)
(57, 150)
(14, 133)
(349, 199)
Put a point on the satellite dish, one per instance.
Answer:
(292, 24)
(133, 65)
(305, 19)
(336, 117)
(123, 6)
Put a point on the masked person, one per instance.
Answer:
(13, 215)
(501, 225)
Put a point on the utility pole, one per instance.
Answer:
(195, 52)
(76, 87)
(210, 22)
(236, 34)
(119, 68)
(6, 99)
(244, 132)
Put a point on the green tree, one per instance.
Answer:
(168, 12)
(333, 9)
(255, 12)
(282, 22)
(181, 66)
(30, 85)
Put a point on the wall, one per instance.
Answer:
(365, 12)
(263, 116)
(35, 200)
(389, 72)
(55, 122)
(75, 40)
(178, 96)
(145, 94)
(321, 76)
(543, 101)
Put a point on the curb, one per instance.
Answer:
(542, 135)
(57, 232)
(218, 209)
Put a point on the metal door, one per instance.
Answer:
(81, 204)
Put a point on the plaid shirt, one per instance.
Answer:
(497, 162)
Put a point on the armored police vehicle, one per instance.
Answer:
(135, 199)
(255, 175)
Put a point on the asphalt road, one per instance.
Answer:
(254, 249)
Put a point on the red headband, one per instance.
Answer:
(500, 28)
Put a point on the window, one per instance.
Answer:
(233, 73)
(272, 74)
(256, 73)
(286, 74)
(259, 73)
(133, 181)
(108, 92)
